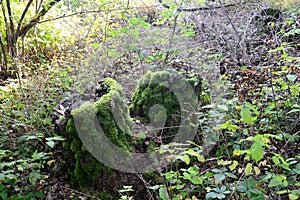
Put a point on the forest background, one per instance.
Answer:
(246, 53)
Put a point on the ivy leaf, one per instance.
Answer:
(257, 152)
(246, 115)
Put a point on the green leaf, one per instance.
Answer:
(2, 176)
(181, 186)
(222, 107)
(196, 180)
(249, 183)
(169, 175)
(273, 183)
(186, 176)
(211, 195)
(231, 175)
(219, 177)
(291, 77)
(155, 187)
(185, 158)
(233, 165)
(275, 160)
(11, 176)
(50, 144)
(162, 193)
(257, 152)
(246, 115)
(59, 138)
(194, 171)
(221, 196)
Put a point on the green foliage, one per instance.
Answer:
(27, 137)
(248, 186)
(125, 192)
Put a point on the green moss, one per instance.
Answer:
(167, 90)
(113, 117)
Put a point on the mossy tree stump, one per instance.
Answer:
(154, 101)
(83, 168)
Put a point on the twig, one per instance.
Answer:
(146, 185)
(172, 37)
(196, 9)
(92, 11)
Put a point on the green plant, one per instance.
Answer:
(218, 193)
(248, 186)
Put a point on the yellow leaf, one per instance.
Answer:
(256, 170)
(233, 165)
(248, 169)
(224, 162)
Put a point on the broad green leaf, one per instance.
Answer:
(11, 176)
(194, 171)
(273, 183)
(257, 152)
(162, 193)
(196, 180)
(246, 115)
(181, 186)
(221, 196)
(169, 175)
(275, 160)
(249, 183)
